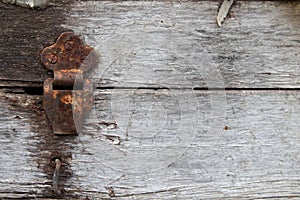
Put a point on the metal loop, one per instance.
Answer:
(56, 174)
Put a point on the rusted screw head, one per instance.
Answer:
(52, 58)
(69, 45)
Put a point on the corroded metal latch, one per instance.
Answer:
(68, 97)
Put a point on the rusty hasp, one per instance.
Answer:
(68, 97)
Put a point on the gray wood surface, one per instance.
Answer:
(256, 48)
(252, 153)
(159, 129)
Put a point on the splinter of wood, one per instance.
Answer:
(224, 10)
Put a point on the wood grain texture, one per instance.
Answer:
(152, 134)
(22, 38)
(160, 153)
(256, 48)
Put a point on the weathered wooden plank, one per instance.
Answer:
(161, 144)
(157, 144)
(22, 38)
(176, 42)
(162, 43)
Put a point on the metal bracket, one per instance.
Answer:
(68, 97)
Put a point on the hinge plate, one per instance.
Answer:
(68, 97)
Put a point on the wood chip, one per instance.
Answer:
(223, 11)
(27, 3)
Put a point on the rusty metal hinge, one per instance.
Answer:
(68, 97)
